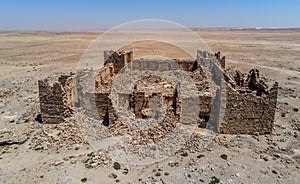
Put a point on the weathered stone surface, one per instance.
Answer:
(249, 113)
(56, 99)
(239, 103)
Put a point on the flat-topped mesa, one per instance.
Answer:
(231, 101)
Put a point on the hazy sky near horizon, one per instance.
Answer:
(92, 14)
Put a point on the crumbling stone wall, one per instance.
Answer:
(56, 98)
(103, 86)
(163, 65)
(205, 105)
(213, 66)
(250, 104)
(114, 62)
(118, 59)
(242, 103)
(150, 94)
(248, 113)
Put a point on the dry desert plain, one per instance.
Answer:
(59, 154)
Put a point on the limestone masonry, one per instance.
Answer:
(202, 93)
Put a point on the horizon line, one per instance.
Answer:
(192, 28)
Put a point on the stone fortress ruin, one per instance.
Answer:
(224, 101)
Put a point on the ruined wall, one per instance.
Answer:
(104, 79)
(118, 59)
(56, 98)
(213, 66)
(102, 103)
(150, 95)
(221, 60)
(205, 105)
(248, 113)
(164, 65)
(128, 57)
(138, 100)
(187, 65)
(105, 108)
(241, 105)
(114, 62)
(196, 74)
(218, 107)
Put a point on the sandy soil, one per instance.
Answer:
(26, 56)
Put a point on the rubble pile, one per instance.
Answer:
(66, 134)
(95, 159)
(196, 143)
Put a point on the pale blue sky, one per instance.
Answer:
(92, 14)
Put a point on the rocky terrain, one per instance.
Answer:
(31, 152)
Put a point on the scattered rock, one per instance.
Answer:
(112, 176)
(60, 162)
(125, 171)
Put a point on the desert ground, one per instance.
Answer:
(44, 153)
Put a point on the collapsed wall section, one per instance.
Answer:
(114, 62)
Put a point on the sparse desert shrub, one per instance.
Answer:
(173, 164)
(224, 156)
(185, 154)
(157, 174)
(117, 166)
(214, 180)
(39, 148)
(295, 109)
(283, 114)
(167, 174)
(88, 166)
(200, 156)
(153, 148)
(83, 180)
